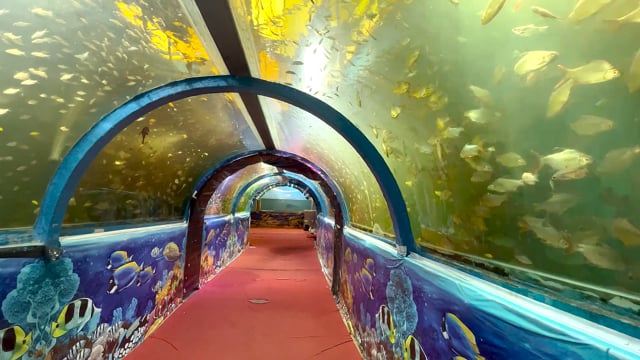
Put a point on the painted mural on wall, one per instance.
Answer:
(277, 219)
(100, 300)
(324, 245)
(397, 310)
(224, 241)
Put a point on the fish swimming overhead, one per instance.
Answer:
(144, 132)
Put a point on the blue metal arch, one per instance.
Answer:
(332, 185)
(286, 174)
(303, 188)
(66, 178)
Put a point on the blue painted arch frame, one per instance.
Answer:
(286, 174)
(66, 178)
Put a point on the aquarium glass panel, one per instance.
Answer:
(299, 132)
(148, 171)
(66, 63)
(222, 198)
(512, 130)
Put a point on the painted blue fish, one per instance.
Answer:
(117, 259)
(145, 275)
(123, 277)
(461, 339)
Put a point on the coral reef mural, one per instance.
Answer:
(324, 245)
(100, 300)
(224, 239)
(398, 308)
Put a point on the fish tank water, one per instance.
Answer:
(512, 127)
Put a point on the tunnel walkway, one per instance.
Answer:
(273, 302)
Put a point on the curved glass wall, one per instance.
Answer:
(67, 63)
(149, 170)
(513, 132)
(222, 198)
(299, 132)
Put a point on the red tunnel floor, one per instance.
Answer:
(299, 321)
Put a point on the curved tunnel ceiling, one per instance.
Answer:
(65, 180)
(248, 193)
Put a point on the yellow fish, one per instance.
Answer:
(632, 17)
(534, 60)
(634, 73)
(588, 125)
(595, 72)
(586, 8)
(559, 98)
(491, 10)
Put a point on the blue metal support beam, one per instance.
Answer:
(66, 178)
(315, 192)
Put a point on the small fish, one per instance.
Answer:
(628, 233)
(602, 256)
(566, 159)
(534, 60)
(144, 133)
(483, 95)
(545, 232)
(594, 72)
(395, 111)
(15, 342)
(558, 203)
(11, 91)
(39, 34)
(29, 82)
(586, 8)
(481, 116)
(20, 24)
(155, 252)
(633, 81)
(559, 98)
(42, 12)
(498, 73)
(491, 10)
(504, 185)
(385, 319)
(16, 39)
(40, 54)
(66, 76)
(38, 72)
(588, 125)
(74, 315)
(123, 277)
(481, 176)
(22, 75)
(511, 159)
(528, 30)
(617, 160)
(471, 150)
(413, 350)
(15, 52)
(117, 259)
(3, 111)
(632, 17)
(543, 12)
(402, 87)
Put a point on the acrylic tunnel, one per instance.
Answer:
(327, 179)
